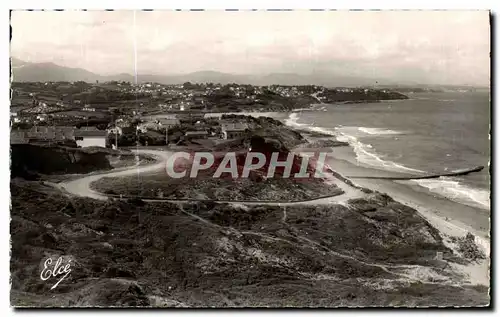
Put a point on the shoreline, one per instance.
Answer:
(449, 217)
(343, 160)
(446, 214)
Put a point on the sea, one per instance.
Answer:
(428, 133)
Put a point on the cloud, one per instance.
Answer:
(432, 46)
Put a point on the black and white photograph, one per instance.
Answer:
(198, 158)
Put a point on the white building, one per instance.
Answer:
(86, 138)
(41, 117)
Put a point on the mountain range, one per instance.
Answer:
(23, 71)
(40, 72)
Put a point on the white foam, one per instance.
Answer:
(453, 189)
(302, 109)
(365, 153)
(292, 122)
(378, 131)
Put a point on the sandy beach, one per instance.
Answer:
(451, 218)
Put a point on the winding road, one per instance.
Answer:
(81, 186)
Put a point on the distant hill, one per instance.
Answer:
(25, 71)
(39, 72)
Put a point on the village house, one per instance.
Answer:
(88, 137)
(42, 117)
(209, 115)
(232, 130)
(42, 134)
(149, 125)
(190, 135)
(122, 123)
(168, 123)
(88, 108)
(64, 132)
(14, 118)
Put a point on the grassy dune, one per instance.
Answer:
(376, 252)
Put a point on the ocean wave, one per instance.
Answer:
(366, 155)
(455, 190)
(303, 109)
(378, 131)
(364, 152)
(292, 122)
(448, 187)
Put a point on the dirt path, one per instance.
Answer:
(81, 186)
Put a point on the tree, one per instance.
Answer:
(187, 85)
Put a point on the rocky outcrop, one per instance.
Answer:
(28, 160)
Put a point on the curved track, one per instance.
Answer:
(81, 186)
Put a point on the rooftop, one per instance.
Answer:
(234, 126)
(168, 121)
(90, 133)
(196, 132)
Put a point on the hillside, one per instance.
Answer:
(228, 256)
(41, 72)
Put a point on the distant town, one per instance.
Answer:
(113, 114)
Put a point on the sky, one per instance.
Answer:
(434, 47)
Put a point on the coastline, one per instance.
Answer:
(443, 211)
(470, 218)
(450, 218)
(342, 159)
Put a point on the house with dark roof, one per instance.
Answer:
(190, 135)
(233, 130)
